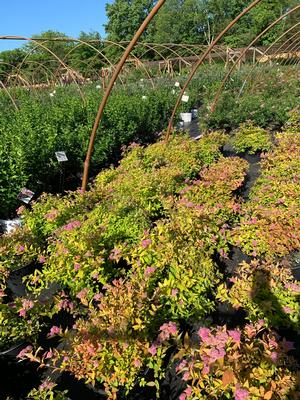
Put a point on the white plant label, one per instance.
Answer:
(26, 195)
(10, 225)
(197, 137)
(177, 84)
(61, 156)
(185, 98)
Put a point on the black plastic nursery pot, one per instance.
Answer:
(17, 378)
(15, 285)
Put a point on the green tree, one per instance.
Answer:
(47, 42)
(9, 61)
(180, 22)
(48, 51)
(85, 58)
(125, 17)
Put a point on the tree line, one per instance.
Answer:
(197, 21)
(178, 21)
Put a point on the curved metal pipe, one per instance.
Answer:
(282, 46)
(120, 65)
(9, 95)
(198, 64)
(245, 51)
(267, 50)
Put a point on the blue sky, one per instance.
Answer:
(25, 18)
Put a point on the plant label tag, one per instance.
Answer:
(61, 156)
(26, 195)
(10, 225)
(197, 137)
(177, 84)
(185, 98)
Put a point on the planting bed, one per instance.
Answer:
(46, 124)
(172, 276)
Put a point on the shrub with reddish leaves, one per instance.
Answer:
(270, 222)
(252, 363)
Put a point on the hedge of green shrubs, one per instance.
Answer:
(264, 94)
(30, 137)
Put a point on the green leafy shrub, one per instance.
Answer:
(171, 277)
(47, 391)
(266, 291)
(20, 320)
(132, 282)
(293, 123)
(270, 220)
(135, 257)
(30, 136)
(251, 139)
(267, 96)
(44, 124)
(61, 232)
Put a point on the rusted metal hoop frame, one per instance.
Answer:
(120, 44)
(294, 46)
(280, 47)
(200, 62)
(81, 43)
(273, 54)
(171, 48)
(126, 54)
(268, 49)
(274, 23)
(37, 45)
(40, 65)
(131, 45)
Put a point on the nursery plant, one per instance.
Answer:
(252, 363)
(269, 223)
(134, 257)
(138, 262)
(251, 139)
(266, 291)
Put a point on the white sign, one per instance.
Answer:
(26, 195)
(185, 98)
(10, 225)
(61, 156)
(197, 137)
